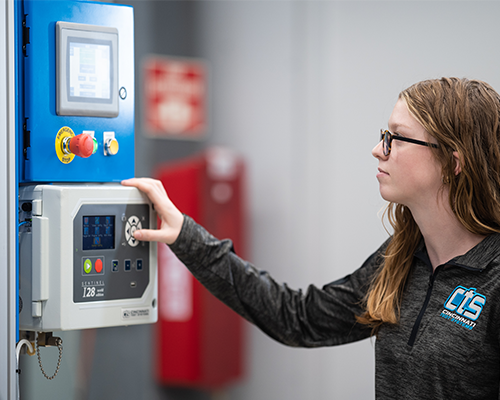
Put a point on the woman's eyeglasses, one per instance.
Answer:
(386, 137)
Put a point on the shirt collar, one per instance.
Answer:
(477, 258)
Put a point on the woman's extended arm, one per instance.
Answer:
(317, 317)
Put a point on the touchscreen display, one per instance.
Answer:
(98, 232)
(89, 69)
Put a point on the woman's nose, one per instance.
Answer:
(378, 150)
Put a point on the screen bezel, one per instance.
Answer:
(66, 104)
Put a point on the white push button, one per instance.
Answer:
(133, 224)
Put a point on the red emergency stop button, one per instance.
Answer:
(82, 145)
(98, 265)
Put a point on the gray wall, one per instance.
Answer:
(301, 89)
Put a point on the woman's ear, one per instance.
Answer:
(458, 163)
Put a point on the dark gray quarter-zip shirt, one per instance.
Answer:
(446, 345)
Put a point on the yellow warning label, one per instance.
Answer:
(64, 132)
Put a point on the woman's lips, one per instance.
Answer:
(381, 173)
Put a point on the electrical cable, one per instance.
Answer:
(18, 352)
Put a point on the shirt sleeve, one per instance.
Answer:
(317, 317)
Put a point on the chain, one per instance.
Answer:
(59, 346)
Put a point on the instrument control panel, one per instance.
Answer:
(80, 264)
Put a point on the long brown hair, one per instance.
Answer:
(464, 116)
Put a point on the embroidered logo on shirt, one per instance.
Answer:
(464, 306)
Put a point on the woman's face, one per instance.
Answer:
(410, 174)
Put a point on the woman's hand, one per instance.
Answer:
(171, 218)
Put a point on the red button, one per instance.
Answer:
(98, 266)
(82, 145)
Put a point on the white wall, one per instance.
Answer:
(302, 89)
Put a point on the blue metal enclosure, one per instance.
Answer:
(50, 71)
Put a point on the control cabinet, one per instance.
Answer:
(80, 265)
(77, 68)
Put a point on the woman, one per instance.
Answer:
(429, 293)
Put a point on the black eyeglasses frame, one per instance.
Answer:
(387, 137)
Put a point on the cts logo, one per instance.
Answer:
(465, 302)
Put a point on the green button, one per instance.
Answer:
(94, 149)
(87, 266)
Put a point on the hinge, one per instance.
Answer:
(26, 138)
(26, 36)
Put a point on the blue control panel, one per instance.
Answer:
(78, 92)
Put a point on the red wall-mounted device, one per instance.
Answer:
(199, 340)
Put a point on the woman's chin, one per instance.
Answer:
(387, 196)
